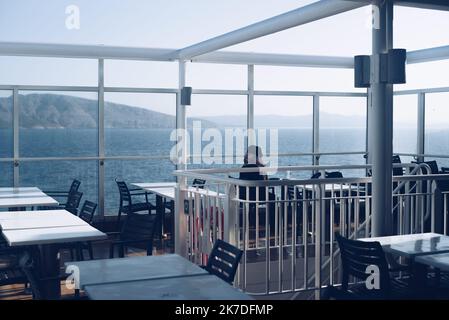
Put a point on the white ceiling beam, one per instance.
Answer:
(424, 4)
(426, 55)
(83, 51)
(315, 11)
(275, 59)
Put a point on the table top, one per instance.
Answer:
(45, 227)
(201, 287)
(134, 268)
(439, 260)
(15, 220)
(168, 191)
(151, 185)
(28, 237)
(413, 245)
(24, 197)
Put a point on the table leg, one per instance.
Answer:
(160, 208)
(49, 269)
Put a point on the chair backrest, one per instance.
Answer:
(29, 269)
(357, 257)
(224, 260)
(73, 201)
(199, 183)
(398, 171)
(74, 186)
(87, 211)
(125, 195)
(141, 227)
(316, 175)
(333, 174)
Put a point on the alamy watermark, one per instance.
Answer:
(213, 146)
(73, 18)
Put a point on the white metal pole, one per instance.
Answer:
(420, 149)
(250, 106)
(181, 221)
(382, 121)
(101, 151)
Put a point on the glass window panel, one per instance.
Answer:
(303, 79)
(437, 115)
(426, 75)
(139, 123)
(48, 71)
(58, 175)
(347, 159)
(153, 170)
(216, 76)
(218, 117)
(58, 124)
(6, 176)
(342, 124)
(6, 124)
(405, 117)
(291, 117)
(140, 74)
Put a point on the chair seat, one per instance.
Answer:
(8, 262)
(141, 206)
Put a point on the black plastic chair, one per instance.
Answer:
(356, 257)
(333, 175)
(87, 211)
(199, 183)
(138, 231)
(223, 261)
(127, 205)
(71, 205)
(29, 266)
(74, 187)
(10, 271)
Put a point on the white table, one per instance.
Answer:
(47, 231)
(96, 272)
(17, 220)
(167, 189)
(200, 287)
(413, 245)
(439, 261)
(24, 197)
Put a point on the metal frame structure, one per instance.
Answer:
(205, 52)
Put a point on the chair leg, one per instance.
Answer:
(91, 251)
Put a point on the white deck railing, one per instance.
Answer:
(286, 227)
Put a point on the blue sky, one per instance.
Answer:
(179, 23)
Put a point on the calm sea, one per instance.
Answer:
(123, 143)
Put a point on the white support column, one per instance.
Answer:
(382, 122)
(250, 106)
(420, 148)
(101, 152)
(316, 130)
(181, 222)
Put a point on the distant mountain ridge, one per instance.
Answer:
(44, 111)
(62, 111)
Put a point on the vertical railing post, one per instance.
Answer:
(16, 155)
(230, 215)
(316, 130)
(319, 235)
